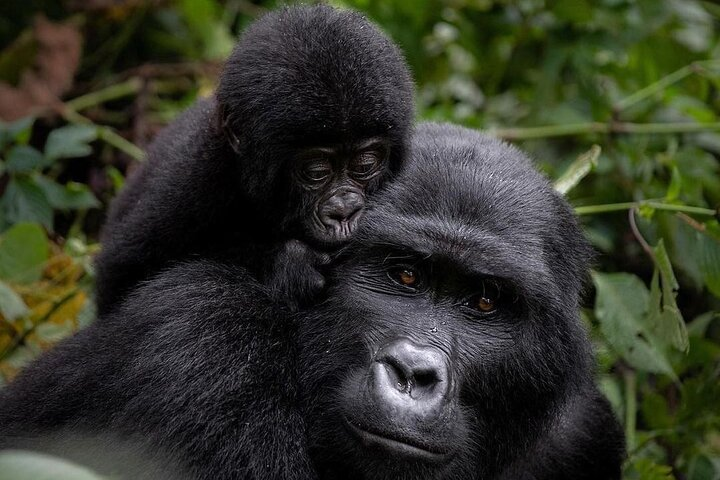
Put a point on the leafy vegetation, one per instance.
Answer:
(617, 99)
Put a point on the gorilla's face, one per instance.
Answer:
(448, 336)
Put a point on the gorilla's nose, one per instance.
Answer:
(341, 207)
(412, 379)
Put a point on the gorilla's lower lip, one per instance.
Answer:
(395, 445)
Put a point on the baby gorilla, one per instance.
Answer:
(449, 347)
(312, 116)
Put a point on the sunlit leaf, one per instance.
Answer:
(11, 304)
(578, 170)
(27, 465)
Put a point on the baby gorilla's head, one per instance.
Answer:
(318, 105)
(451, 331)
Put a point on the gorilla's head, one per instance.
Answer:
(318, 104)
(451, 331)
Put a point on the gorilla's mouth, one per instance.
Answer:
(397, 445)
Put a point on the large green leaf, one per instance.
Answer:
(621, 306)
(23, 158)
(70, 141)
(25, 201)
(24, 250)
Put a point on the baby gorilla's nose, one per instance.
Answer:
(411, 379)
(341, 207)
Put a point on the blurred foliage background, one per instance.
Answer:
(618, 100)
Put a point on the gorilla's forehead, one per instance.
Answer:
(472, 249)
(474, 198)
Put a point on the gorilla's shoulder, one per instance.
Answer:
(185, 132)
(199, 288)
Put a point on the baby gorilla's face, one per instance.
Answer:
(333, 182)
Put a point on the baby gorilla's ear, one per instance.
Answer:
(225, 123)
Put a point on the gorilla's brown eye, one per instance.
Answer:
(487, 300)
(485, 304)
(404, 276)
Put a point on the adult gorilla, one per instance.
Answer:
(449, 347)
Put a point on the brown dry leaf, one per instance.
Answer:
(59, 47)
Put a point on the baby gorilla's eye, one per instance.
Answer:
(366, 164)
(316, 171)
(404, 276)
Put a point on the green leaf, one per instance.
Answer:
(646, 469)
(11, 304)
(703, 467)
(578, 170)
(23, 252)
(26, 465)
(707, 255)
(25, 201)
(70, 141)
(72, 196)
(621, 306)
(16, 132)
(675, 187)
(24, 159)
(665, 318)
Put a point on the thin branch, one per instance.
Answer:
(616, 207)
(106, 134)
(638, 235)
(113, 92)
(614, 127)
(663, 83)
(700, 227)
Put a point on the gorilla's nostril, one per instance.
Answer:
(426, 379)
(396, 377)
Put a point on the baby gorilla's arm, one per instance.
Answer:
(295, 277)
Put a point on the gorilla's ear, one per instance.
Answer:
(225, 125)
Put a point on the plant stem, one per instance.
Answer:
(113, 92)
(106, 134)
(666, 81)
(615, 207)
(630, 406)
(551, 131)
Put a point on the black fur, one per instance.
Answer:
(198, 365)
(221, 176)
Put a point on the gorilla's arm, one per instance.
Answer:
(584, 442)
(195, 363)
